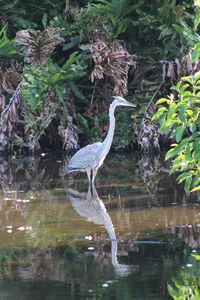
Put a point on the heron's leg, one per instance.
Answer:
(94, 173)
(89, 175)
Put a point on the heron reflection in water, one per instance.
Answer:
(92, 208)
(91, 157)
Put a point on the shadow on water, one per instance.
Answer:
(135, 236)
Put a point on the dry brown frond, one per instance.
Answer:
(112, 60)
(9, 78)
(148, 135)
(8, 120)
(29, 138)
(39, 45)
(175, 69)
(69, 135)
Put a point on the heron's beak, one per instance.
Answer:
(130, 104)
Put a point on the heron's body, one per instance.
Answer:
(91, 157)
(86, 157)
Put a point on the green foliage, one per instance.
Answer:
(89, 127)
(194, 35)
(154, 29)
(7, 47)
(38, 83)
(179, 115)
(22, 14)
(191, 31)
(186, 284)
(114, 15)
(37, 86)
(124, 135)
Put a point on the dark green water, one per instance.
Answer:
(137, 236)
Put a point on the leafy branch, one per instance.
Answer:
(179, 116)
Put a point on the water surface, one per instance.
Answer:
(135, 236)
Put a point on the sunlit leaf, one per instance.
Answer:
(179, 133)
(197, 188)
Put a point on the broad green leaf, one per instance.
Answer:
(182, 177)
(195, 55)
(55, 78)
(192, 128)
(189, 112)
(171, 153)
(162, 100)
(179, 133)
(70, 60)
(197, 188)
(181, 113)
(188, 155)
(183, 116)
(196, 256)
(160, 112)
(77, 92)
(196, 145)
(173, 107)
(196, 52)
(177, 150)
(188, 182)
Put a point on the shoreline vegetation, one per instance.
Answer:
(61, 63)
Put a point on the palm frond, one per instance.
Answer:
(8, 120)
(113, 61)
(39, 45)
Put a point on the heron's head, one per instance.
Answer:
(121, 101)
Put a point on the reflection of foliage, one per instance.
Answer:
(26, 174)
(151, 169)
(57, 231)
(42, 236)
(187, 284)
(9, 258)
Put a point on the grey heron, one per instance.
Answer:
(91, 157)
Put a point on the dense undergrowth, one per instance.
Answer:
(66, 59)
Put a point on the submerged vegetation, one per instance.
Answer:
(60, 63)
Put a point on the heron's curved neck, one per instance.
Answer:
(111, 232)
(109, 138)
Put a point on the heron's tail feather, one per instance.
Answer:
(69, 170)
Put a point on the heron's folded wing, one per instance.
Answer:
(84, 157)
